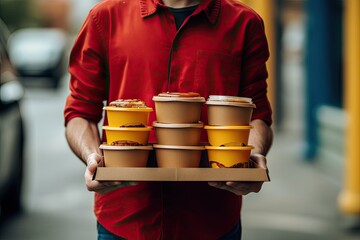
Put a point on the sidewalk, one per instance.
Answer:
(300, 202)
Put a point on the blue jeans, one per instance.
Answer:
(103, 234)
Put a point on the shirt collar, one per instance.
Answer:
(211, 8)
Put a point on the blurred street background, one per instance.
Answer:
(311, 165)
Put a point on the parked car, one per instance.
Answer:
(11, 132)
(39, 53)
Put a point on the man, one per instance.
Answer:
(138, 48)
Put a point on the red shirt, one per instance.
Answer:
(131, 49)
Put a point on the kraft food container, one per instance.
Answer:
(125, 156)
(222, 113)
(229, 157)
(178, 134)
(228, 135)
(178, 109)
(135, 134)
(168, 156)
(122, 117)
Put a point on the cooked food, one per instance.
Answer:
(125, 143)
(132, 125)
(128, 103)
(238, 165)
(179, 94)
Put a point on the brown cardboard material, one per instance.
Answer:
(181, 174)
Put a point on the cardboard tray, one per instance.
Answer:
(181, 174)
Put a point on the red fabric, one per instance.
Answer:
(133, 49)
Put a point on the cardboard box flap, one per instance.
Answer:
(181, 174)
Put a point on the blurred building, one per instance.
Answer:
(65, 14)
(313, 83)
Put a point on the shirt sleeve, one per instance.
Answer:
(254, 71)
(88, 73)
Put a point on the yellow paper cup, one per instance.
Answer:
(122, 117)
(228, 135)
(228, 157)
(139, 135)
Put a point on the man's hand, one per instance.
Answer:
(93, 161)
(243, 188)
(84, 139)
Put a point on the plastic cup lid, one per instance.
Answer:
(179, 94)
(229, 98)
(227, 127)
(178, 147)
(178, 97)
(111, 147)
(178, 125)
(249, 147)
(134, 109)
(235, 104)
(139, 129)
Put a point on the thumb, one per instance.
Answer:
(259, 159)
(92, 162)
(92, 165)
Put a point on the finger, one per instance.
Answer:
(110, 183)
(222, 185)
(115, 187)
(245, 187)
(215, 184)
(91, 166)
(107, 190)
(238, 188)
(107, 186)
(259, 160)
(101, 163)
(96, 186)
(118, 183)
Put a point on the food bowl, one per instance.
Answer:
(229, 157)
(229, 112)
(138, 135)
(228, 135)
(178, 109)
(125, 156)
(178, 134)
(127, 117)
(168, 156)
